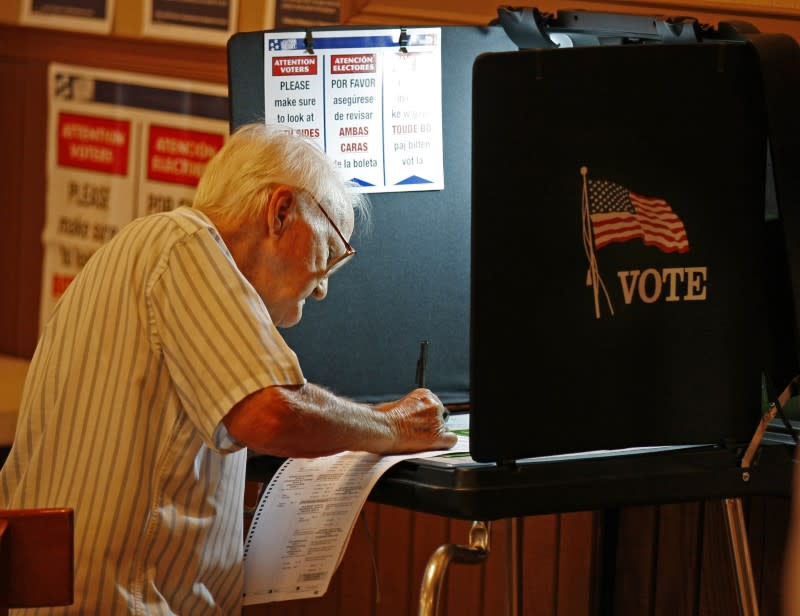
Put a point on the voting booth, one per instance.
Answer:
(575, 238)
(489, 168)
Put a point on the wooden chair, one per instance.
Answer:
(36, 558)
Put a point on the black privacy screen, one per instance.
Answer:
(632, 198)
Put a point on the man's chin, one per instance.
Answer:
(288, 321)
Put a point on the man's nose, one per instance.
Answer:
(321, 290)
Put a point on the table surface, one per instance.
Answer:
(12, 378)
(460, 488)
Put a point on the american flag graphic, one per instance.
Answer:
(620, 215)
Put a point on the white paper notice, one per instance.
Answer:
(373, 104)
(303, 522)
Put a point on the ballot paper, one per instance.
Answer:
(303, 522)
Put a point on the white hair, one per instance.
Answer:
(237, 181)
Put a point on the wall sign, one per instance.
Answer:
(120, 145)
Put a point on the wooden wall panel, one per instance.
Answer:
(577, 563)
(768, 524)
(718, 592)
(635, 561)
(31, 81)
(164, 58)
(393, 557)
(671, 560)
(538, 556)
(497, 571)
(357, 581)
(677, 561)
(21, 201)
(11, 210)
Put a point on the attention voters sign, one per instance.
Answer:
(372, 100)
(120, 145)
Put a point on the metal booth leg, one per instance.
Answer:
(740, 551)
(734, 513)
(432, 579)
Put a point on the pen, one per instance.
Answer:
(422, 363)
(422, 368)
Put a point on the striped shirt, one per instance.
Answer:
(147, 350)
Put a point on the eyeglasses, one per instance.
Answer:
(337, 262)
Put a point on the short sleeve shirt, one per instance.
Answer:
(155, 340)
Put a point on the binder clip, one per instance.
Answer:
(309, 41)
(403, 40)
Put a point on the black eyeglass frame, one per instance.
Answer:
(349, 251)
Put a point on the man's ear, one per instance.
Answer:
(280, 209)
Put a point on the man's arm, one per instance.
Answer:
(306, 421)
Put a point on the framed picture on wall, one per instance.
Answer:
(204, 22)
(289, 13)
(83, 15)
(196, 21)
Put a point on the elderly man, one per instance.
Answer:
(162, 363)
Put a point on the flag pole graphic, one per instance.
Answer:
(592, 274)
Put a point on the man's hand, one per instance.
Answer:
(418, 420)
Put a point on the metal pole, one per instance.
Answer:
(433, 578)
(740, 551)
